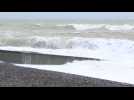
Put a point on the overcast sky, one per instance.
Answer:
(67, 15)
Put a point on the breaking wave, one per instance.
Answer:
(71, 43)
(109, 27)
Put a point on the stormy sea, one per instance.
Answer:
(110, 41)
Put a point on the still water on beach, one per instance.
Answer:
(110, 40)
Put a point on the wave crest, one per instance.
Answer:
(113, 45)
(123, 27)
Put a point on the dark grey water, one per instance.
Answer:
(34, 58)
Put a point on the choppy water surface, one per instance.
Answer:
(112, 41)
(111, 37)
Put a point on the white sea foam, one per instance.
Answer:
(110, 27)
(82, 26)
(115, 71)
(71, 43)
(124, 27)
(112, 49)
(118, 55)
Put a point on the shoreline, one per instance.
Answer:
(14, 76)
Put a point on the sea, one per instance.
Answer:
(110, 40)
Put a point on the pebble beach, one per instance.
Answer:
(14, 76)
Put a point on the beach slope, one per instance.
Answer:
(13, 76)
